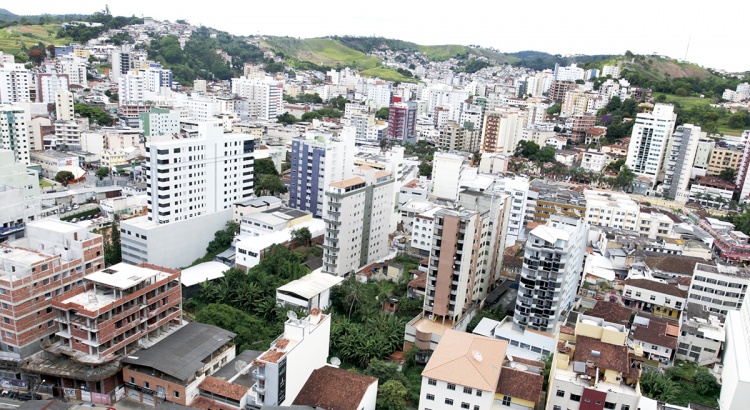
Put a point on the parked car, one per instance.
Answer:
(68, 209)
(28, 396)
(74, 220)
(75, 206)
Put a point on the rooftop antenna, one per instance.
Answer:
(241, 367)
(687, 48)
(335, 361)
(292, 316)
(477, 355)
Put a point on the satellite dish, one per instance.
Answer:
(241, 367)
(336, 361)
(291, 315)
(477, 355)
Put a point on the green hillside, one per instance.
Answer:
(13, 38)
(655, 68)
(321, 51)
(389, 74)
(434, 53)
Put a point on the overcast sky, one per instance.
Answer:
(717, 33)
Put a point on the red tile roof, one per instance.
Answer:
(520, 384)
(223, 388)
(611, 312)
(331, 388)
(204, 403)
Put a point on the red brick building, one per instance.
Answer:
(49, 261)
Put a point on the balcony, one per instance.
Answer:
(258, 389)
(258, 375)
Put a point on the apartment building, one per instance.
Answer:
(719, 289)
(654, 296)
(357, 219)
(15, 174)
(558, 89)
(735, 385)
(14, 133)
(74, 67)
(192, 184)
(518, 188)
(729, 244)
(651, 136)
(133, 87)
(593, 364)
(15, 83)
(68, 133)
(64, 105)
(553, 259)
(679, 162)
(446, 174)
(402, 122)
(503, 128)
(47, 85)
(318, 159)
(724, 157)
(422, 230)
(702, 336)
(454, 137)
(264, 96)
(159, 122)
(282, 370)
(611, 209)
(49, 261)
(656, 337)
(547, 199)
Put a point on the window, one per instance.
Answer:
(506, 400)
(467, 390)
(449, 402)
(625, 407)
(6, 320)
(479, 393)
(476, 407)
(451, 386)
(132, 380)
(432, 382)
(560, 393)
(608, 405)
(575, 397)
(146, 385)
(430, 397)
(465, 405)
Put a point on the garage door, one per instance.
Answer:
(148, 399)
(134, 394)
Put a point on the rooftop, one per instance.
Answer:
(310, 285)
(348, 182)
(181, 354)
(515, 382)
(202, 272)
(223, 388)
(656, 286)
(610, 312)
(331, 388)
(658, 332)
(124, 276)
(467, 359)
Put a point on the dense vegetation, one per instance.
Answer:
(199, 59)
(82, 34)
(538, 60)
(682, 384)
(95, 114)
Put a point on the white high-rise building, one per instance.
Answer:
(357, 219)
(264, 96)
(649, 141)
(133, 87)
(553, 260)
(15, 81)
(735, 379)
(75, 68)
(197, 176)
(14, 133)
(64, 105)
(47, 86)
(502, 129)
(570, 73)
(679, 163)
(518, 188)
(159, 122)
(446, 174)
(379, 94)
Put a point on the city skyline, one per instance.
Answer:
(570, 28)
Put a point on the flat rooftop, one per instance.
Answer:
(123, 276)
(426, 325)
(56, 225)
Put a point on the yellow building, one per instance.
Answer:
(723, 158)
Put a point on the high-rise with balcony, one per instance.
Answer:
(14, 133)
(357, 220)
(402, 122)
(649, 141)
(552, 264)
(263, 94)
(679, 162)
(319, 158)
(502, 130)
(15, 81)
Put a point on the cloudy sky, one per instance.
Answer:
(717, 39)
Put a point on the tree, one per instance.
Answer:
(113, 247)
(425, 169)
(64, 177)
(391, 396)
(382, 113)
(554, 109)
(102, 173)
(728, 174)
(384, 371)
(264, 166)
(269, 185)
(546, 154)
(302, 236)
(624, 178)
(286, 118)
(657, 386)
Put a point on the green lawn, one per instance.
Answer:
(45, 184)
(686, 102)
(11, 38)
(389, 74)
